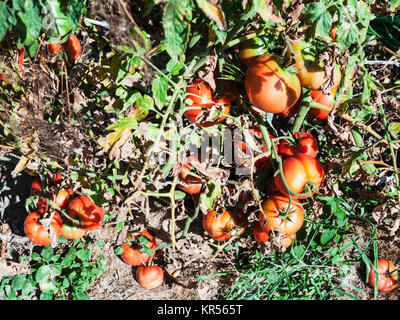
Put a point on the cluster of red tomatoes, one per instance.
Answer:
(138, 251)
(70, 216)
(302, 174)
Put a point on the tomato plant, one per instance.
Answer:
(221, 225)
(86, 211)
(387, 276)
(269, 87)
(282, 214)
(150, 277)
(35, 230)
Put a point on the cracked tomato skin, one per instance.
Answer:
(37, 233)
(88, 213)
(220, 225)
(131, 253)
(387, 276)
(150, 277)
(298, 171)
(305, 144)
(269, 87)
(274, 209)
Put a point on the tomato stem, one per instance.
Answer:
(304, 108)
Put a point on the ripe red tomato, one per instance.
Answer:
(150, 277)
(298, 171)
(35, 230)
(305, 143)
(269, 87)
(387, 276)
(201, 95)
(72, 47)
(191, 184)
(54, 48)
(326, 100)
(311, 72)
(131, 249)
(260, 164)
(89, 214)
(220, 226)
(71, 231)
(279, 213)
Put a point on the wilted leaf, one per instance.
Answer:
(213, 12)
(265, 8)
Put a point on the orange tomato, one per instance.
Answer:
(311, 72)
(54, 48)
(298, 171)
(72, 231)
(387, 276)
(150, 277)
(279, 213)
(220, 226)
(132, 249)
(269, 87)
(35, 230)
(324, 99)
(191, 184)
(72, 47)
(305, 143)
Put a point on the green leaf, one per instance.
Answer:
(159, 89)
(327, 236)
(209, 199)
(47, 271)
(176, 19)
(19, 282)
(318, 16)
(83, 254)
